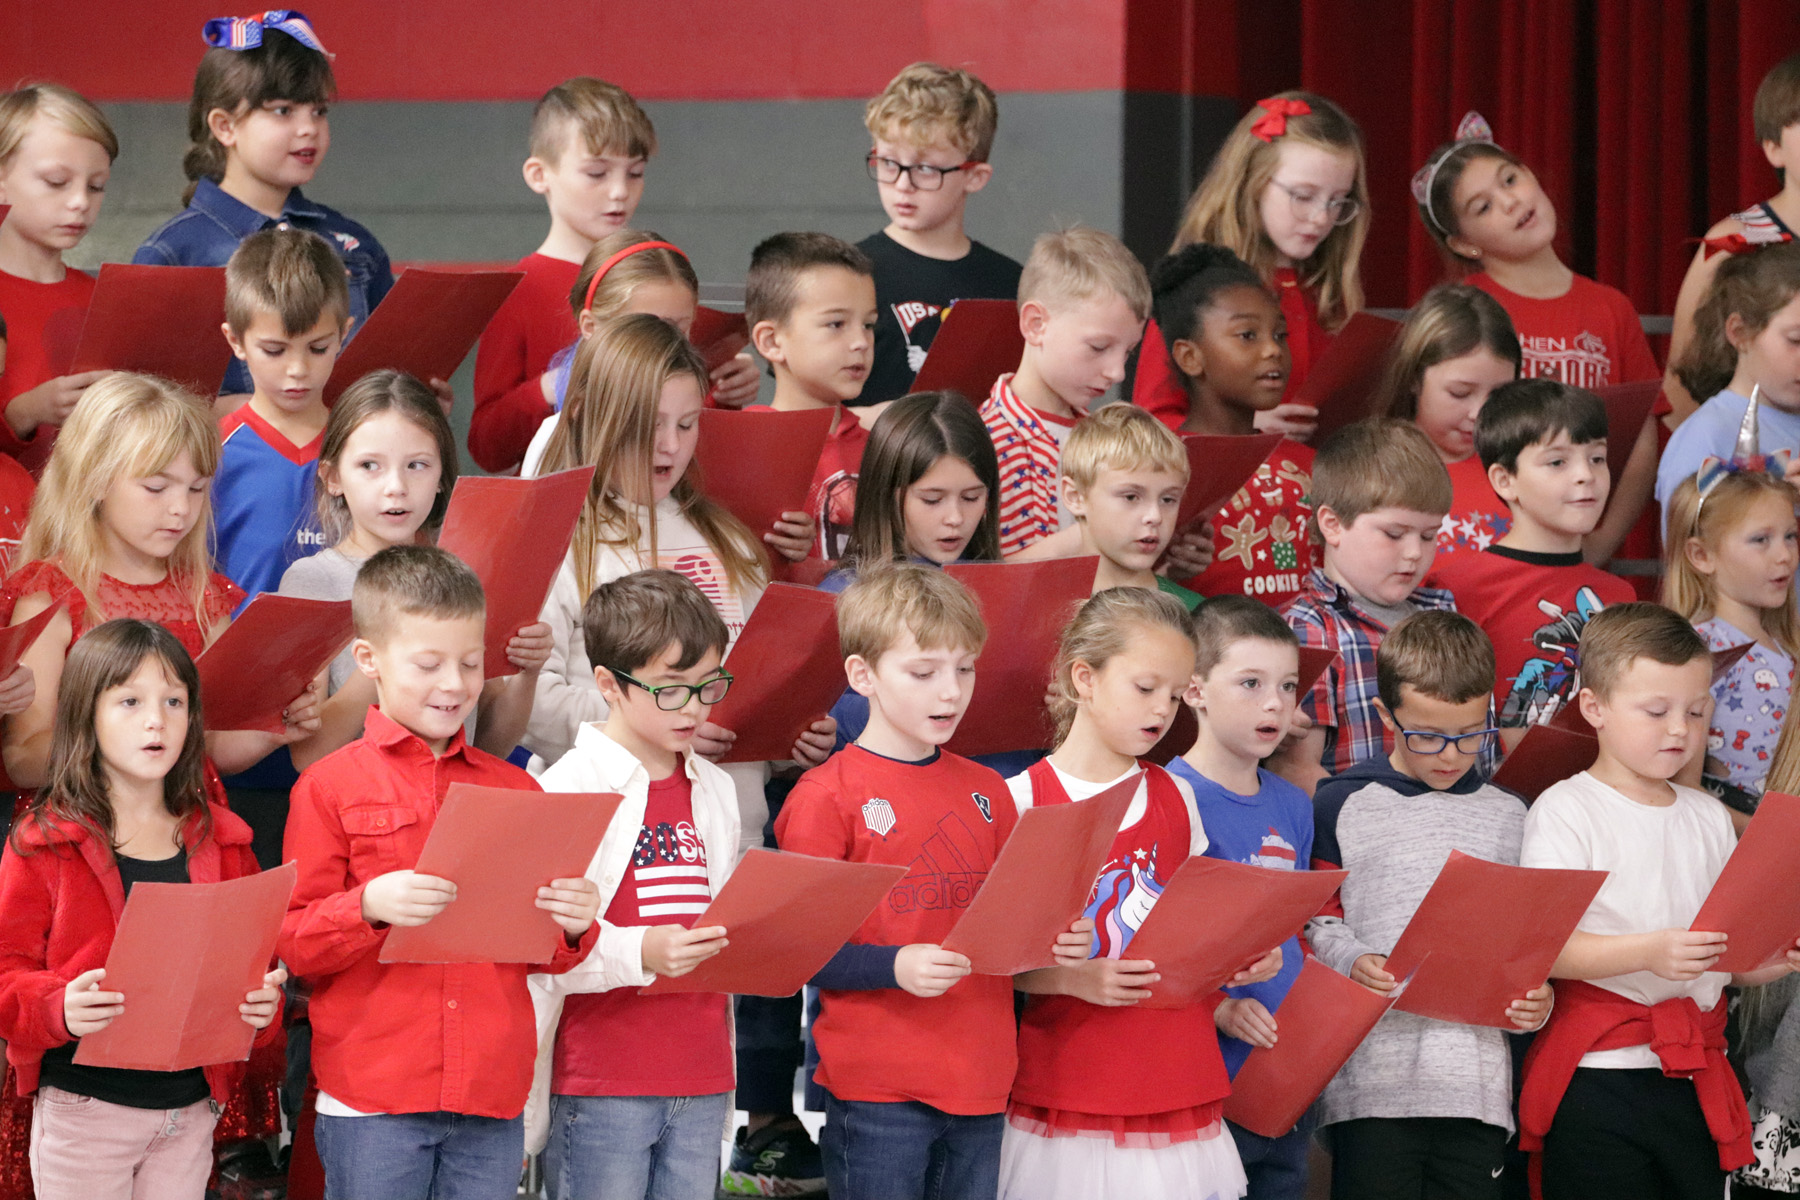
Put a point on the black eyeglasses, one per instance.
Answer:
(673, 697)
(924, 176)
(1433, 743)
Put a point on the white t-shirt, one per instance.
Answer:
(1081, 789)
(1662, 863)
(540, 442)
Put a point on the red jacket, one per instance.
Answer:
(59, 907)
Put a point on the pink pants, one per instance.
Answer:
(88, 1149)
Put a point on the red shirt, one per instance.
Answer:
(1260, 543)
(1478, 517)
(400, 1037)
(832, 497)
(946, 819)
(16, 488)
(1589, 336)
(43, 323)
(1533, 607)
(621, 1043)
(534, 323)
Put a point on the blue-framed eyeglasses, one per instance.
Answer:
(1422, 742)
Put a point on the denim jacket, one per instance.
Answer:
(208, 230)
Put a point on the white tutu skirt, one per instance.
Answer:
(1090, 1166)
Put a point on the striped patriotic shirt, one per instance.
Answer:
(1029, 446)
(666, 884)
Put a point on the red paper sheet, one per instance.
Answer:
(1628, 406)
(499, 846)
(1755, 901)
(785, 915)
(426, 325)
(1041, 882)
(159, 320)
(486, 526)
(1026, 606)
(1214, 918)
(760, 463)
(1217, 468)
(1546, 755)
(184, 957)
(267, 656)
(977, 342)
(718, 336)
(15, 640)
(1321, 1022)
(1185, 727)
(787, 673)
(1341, 385)
(1486, 934)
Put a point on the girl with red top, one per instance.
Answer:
(126, 803)
(1457, 346)
(56, 152)
(1111, 1099)
(1288, 194)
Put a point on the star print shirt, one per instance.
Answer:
(1749, 704)
(1260, 544)
(1478, 518)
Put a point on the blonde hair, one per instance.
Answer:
(1693, 594)
(609, 422)
(928, 103)
(1224, 209)
(613, 295)
(1080, 263)
(893, 598)
(126, 427)
(603, 113)
(60, 105)
(1121, 437)
(1101, 630)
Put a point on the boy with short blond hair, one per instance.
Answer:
(1123, 475)
(1379, 493)
(423, 1068)
(1083, 301)
(916, 1055)
(932, 129)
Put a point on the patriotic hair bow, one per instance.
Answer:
(1276, 111)
(1745, 456)
(246, 33)
(1750, 239)
(1472, 128)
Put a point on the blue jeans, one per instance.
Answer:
(420, 1156)
(909, 1151)
(624, 1147)
(1276, 1167)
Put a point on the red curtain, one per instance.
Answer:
(1634, 113)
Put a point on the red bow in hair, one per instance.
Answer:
(1273, 123)
(1738, 243)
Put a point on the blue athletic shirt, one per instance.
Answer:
(262, 502)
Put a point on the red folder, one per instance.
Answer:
(1755, 901)
(977, 342)
(1628, 406)
(1546, 755)
(1186, 727)
(184, 956)
(1040, 883)
(718, 336)
(1026, 606)
(513, 533)
(787, 672)
(785, 915)
(267, 656)
(1217, 467)
(426, 325)
(1322, 1021)
(1213, 918)
(1486, 934)
(160, 321)
(760, 463)
(15, 640)
(499, 846)
(1342, 383)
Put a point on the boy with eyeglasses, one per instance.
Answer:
(933, 129)
(1424, 1107)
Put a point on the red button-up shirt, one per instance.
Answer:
(400, 1037)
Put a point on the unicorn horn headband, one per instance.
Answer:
(246, 33)
(1747, 455)
(1472, 129)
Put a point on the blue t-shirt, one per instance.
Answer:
(208, 230)
(1713, 429)
(262, 503)
(1273, 828)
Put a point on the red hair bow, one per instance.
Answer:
(1273, 123)
(1740, 243)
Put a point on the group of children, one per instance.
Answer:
(1448, 553)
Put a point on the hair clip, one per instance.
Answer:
(246, 33)
(1276, 111)
(635, 248)
(1472, 128)
(1757, 237)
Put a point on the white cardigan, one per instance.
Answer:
(599, 764)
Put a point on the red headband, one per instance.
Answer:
(1276, 110)
(588, 301)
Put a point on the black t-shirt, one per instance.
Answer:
(911, 291)
(116, 1085)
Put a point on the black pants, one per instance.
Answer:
(1416, 1158)
(1635, 1135)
